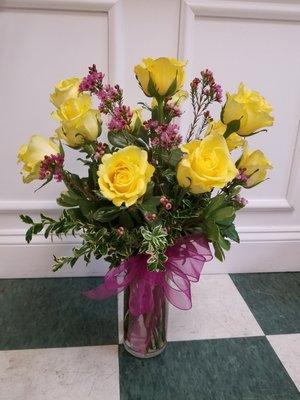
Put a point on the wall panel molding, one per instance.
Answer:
(60, 5)
(255, 10)
(114, 10)
(274, 11)
(269, 249)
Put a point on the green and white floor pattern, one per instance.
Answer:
(240, 341)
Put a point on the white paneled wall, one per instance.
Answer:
(43, 41)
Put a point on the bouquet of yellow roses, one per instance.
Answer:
(152, 198)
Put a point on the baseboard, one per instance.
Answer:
(270, 249)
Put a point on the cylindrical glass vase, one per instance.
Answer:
(145, 335)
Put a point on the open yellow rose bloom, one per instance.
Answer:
(248, 106)
(124, 175)
(207, 165)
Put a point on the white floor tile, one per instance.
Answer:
(79, 373)
(218, 311)
(287, 348)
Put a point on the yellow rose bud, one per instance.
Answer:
(124, 175)
(255, 165)
(65, 90)
(160, 77)
(253, 111)
(233, 141)
(33, 153)
(207, 165)
(137, 119)
(79, 121)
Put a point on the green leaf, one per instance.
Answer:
(232, 126)
(106, 214)
(87, 208)
(213, 232)
(68, 199)
(26, 219)
(37, 228)
(215, 203)
(172, 87)
(227, 221)
(219, 253)
(117, 139)
(223, 213)
(150, 205)
(232, 234)
(224, 243)
(172, 157)
(29, 234)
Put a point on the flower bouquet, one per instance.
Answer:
(151, 199)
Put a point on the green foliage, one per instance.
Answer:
(232, 126)
(155, 242)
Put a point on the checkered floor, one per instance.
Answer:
(240, 341)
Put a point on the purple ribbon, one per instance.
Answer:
(183, 266)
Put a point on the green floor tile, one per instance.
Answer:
(38, 313)
(274, 300)
(226, 369)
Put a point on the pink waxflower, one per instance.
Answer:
(195, 83)
(93, 81)
(101, 148)
(167, 136)
(121, 118)
(241, 200)
(151, 124)
(52, 166)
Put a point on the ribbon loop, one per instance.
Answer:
(183, 266)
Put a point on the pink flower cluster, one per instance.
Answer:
(93, 81)
(108, 95)
(210, 88)
(52, 166)
(173, 109)
(167, 135)
(120, 119)
(100, 151)
(241, 200)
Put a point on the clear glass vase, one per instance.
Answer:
(145, 335)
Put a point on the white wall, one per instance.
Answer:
(43, 41)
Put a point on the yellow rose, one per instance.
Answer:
(233, 141)
(161, 77)
(207, 164)
(33, 153)
(137, 119)
(79, 121)
(253, 111)
(255, 165)
(124, 175)
(65, 90)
